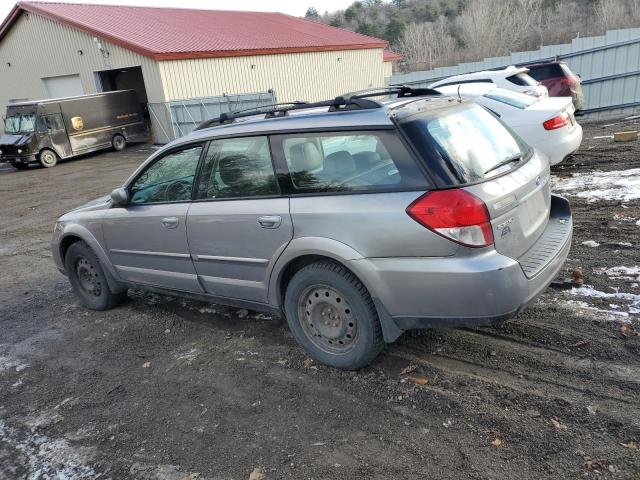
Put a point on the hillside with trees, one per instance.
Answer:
(433, 33)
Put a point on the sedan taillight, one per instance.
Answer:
(455, 214)
(557, 122)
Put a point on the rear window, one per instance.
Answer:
(522, 79)
(465, 144)
(353, 161)
(515, 99)
(544, 72)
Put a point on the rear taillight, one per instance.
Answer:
(557, 122)
(455, 214)
(567, 82)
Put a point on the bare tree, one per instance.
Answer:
(428, 44)
(611, 14)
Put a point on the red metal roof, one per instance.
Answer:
(390, 56)
(177, 33)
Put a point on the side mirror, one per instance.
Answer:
(120, 197)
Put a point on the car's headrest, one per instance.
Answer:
(232, 169)
(304, 157)
(339, 164)
(366, 160)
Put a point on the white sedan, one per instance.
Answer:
(511, 78)
(547, 124)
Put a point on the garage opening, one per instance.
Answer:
(124, 79)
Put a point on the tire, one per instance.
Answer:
(88, 279)
(331, 314)
(20, 166)
(48, 158)
(118, 142)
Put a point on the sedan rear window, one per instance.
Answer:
(515, 99)
(465, 144)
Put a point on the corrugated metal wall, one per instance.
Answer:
(295, 76)
(38, 47)
(180, 117)
(608, 64)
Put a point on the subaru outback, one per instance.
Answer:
(356, 219)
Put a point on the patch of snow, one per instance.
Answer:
(611, 315)
(8, 363)
(622, 185)
(43, 457)
(591, 243)
(638, 223)
(625, 244)
(632, 298)
(189, 356)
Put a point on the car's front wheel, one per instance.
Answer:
(332, 315)
(88, 279)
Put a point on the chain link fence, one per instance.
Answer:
(171, 120)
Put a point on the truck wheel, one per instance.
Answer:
(118, 142)
(88, 280)
(48, 158)
(331, 314)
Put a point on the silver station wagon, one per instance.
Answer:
(357, 219)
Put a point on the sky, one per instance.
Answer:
(292, 7)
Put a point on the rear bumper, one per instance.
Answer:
(561, 146)
(480, 288)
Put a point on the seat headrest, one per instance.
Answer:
(366, 160)
(232, 169)
(304, 157)
(339, 164)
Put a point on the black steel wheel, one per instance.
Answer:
(48, 158)
(88, 279)
(331, 314)
(118, 142)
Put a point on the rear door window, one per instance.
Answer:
(465, 144)
(349, 161)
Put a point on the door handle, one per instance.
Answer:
(170, 222)
(270, 221)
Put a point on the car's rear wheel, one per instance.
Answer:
(48, 158)
(118, 142)
(331, 314)
(88, 279)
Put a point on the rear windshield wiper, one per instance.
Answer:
(513, 158)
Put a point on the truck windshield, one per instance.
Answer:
(19, 123)
(465, 144)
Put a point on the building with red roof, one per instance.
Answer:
(49, 50)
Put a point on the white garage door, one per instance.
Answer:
(63, 86)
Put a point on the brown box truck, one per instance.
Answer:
(46, 131)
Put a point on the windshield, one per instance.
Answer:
(515, 99)
(465, 144)
(19, 123)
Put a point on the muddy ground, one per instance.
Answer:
(172, 389)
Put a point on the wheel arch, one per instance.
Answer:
(77, 233)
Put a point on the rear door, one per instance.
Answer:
(147, 239)
(239, 224)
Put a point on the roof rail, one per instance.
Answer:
(351, 101)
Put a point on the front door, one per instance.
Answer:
(51, 134)
(239, 224)
(147, 239)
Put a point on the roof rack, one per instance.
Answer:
(351, 101)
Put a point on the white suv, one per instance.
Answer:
(510, 78)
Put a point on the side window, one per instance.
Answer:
(350, 162)
(55, 122)
(238, 167)
(169, 179)
(42, 124)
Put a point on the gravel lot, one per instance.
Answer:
(173, 389)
